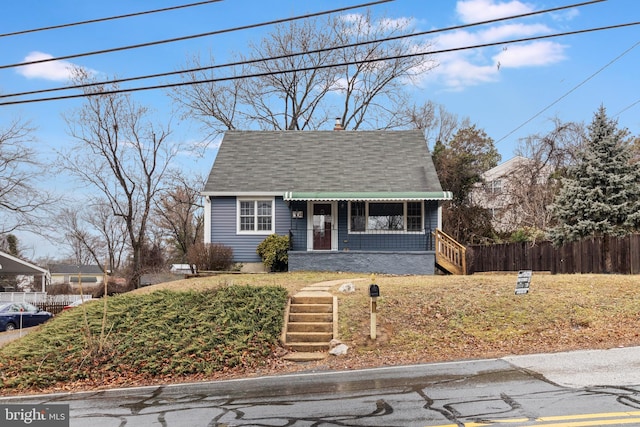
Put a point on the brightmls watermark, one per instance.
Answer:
(34, 415)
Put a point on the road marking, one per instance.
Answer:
(586, 420)
(583, 416)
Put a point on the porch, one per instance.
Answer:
(415, 254)
(382, 251)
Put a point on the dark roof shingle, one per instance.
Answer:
(355, 161)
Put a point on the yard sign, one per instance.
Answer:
(524, 280)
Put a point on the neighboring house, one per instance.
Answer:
(14, 267)
(182, 269)
(362, 201)
(514, 193)
(74, 273)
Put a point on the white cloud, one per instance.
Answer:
(493, 34)
(567, 15)
(534, 54)
(471, 67)
(51, 70)
(483, 10)
(511, 31)
(459, 73)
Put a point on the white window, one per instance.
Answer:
(390, 216)
(255, 216)
(496, 187)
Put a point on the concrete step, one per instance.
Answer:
(307, 347)
(311, 308)
(308, 337)
(305, 356)
(310, 317)
(310, 327)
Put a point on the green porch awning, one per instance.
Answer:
(381, 196)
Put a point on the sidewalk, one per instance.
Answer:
(584, 368)
(7, 337)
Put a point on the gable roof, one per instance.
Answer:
(505, 168)
(91, 269)
(319, 164)
(12, 265)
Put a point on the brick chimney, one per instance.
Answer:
(338, 125)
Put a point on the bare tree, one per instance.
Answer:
(178, 212)
(20, 200)
(122, 155)
(93, 234)
(301, 84)
(529, 189)
(373, 91)
(439, 125)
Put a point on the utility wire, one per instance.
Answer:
(291, 55)
(194, 36)
(627, 108)
(110, 18)
(343, 64)
(573, 89)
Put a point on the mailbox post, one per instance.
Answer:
(374, 293)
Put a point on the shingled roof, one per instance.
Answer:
(279, 162)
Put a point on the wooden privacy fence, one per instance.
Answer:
(593, 255)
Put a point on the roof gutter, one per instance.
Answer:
(330, 196)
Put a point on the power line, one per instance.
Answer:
(573, 89)
(190, 37)
(627, 108)
(110, 18)
(343, 64)
(309, 52)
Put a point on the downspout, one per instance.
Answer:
(207, 219)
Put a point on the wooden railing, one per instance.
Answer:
(450, 255)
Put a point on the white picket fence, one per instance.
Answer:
(52, 303)
(30, 297)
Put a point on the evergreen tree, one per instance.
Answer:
(601, 195)
(9, 244)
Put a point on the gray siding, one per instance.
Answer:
(223, 228)
(418, 263)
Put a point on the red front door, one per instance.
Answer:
(322, 224)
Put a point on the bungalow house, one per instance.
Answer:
(74, 274)
(360, 201)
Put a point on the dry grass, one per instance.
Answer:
(439, 318)
(424, 319)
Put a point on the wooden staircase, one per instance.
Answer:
(310, 325)
(451, 256)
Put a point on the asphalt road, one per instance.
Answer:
(589, 388)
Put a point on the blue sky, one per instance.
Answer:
(499, 88)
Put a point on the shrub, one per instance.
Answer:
(274, 251)
(210, 256)
(526, 234)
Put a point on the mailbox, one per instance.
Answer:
(374, 291)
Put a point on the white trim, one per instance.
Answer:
(256, 200)
(45, 272)
(207, 219)
(404, 209)
(242, 193)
